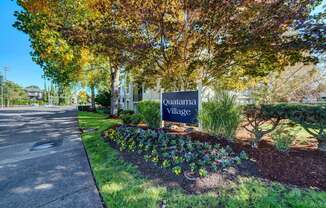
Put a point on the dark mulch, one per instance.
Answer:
(166, 178)
(300, 167)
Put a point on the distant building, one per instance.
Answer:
(318, 98)
(34, 93)
(322, 96)
(130, 93)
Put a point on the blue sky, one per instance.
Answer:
(15, 49)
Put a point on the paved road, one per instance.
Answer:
(54, 177)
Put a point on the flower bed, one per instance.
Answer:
(125, 179)
(302, 167)
(177, 153)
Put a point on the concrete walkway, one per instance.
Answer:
(55, 174)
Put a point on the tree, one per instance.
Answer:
(103, 98)
(179, 41)
(83, 97)
(94, 25)
(104, 30)
(239, 41)
(61, 62)
(95, 75)
(13, 93)
(291, 85)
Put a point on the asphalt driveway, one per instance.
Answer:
(42, 160)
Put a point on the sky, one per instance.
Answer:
(15, 49)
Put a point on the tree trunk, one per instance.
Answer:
(93, 108)
(61, 99)
(113, 109)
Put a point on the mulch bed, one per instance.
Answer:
(166, 178)
(300, 167)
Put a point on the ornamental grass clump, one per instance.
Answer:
(221, 115)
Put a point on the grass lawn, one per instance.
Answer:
(121, 184)
(297, 130)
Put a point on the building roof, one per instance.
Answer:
(33, 88)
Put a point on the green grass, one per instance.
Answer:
(297, 130)
(121, 184)
(301, 135)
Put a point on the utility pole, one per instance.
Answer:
(2, 83)
(5, 70)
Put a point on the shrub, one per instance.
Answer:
(311, 117)
(103, 98)
(85, 108)
(221, 115)
(133, 119)
(150, 110)
(124, 112)
(126, 118)
(136, 119)
(255, 120)
(283, 139)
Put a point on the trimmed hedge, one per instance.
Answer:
(85, 108)
(133, 119)
(256, 118)
(311, 117)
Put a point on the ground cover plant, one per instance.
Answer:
(122, 185)
(175, 152)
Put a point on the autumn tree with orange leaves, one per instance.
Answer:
(178, 41)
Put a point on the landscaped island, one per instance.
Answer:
(140, 167)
